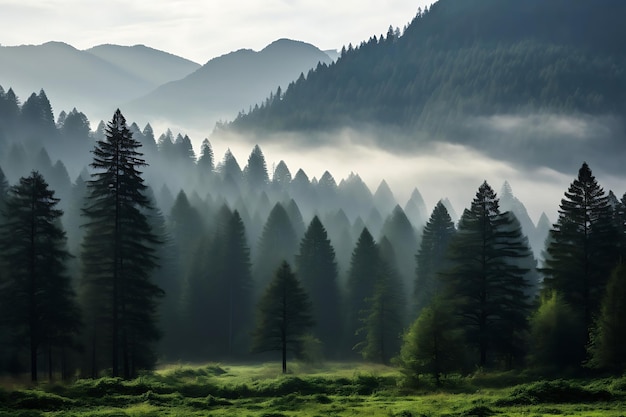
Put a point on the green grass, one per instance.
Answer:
(340, 389)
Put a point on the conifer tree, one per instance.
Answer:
(284, 316)
(38, 298)
(438, 233)
(382, 319)
(255, 172)
(119, 257)
(278, 243)
(485, 286)
(364, 268)
(230, 286)
(317, 269)
(582, 251)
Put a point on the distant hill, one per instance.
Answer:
(228, 84)
(516, 79)
(150, 64)
(95, 81)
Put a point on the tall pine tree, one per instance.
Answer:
(119, 257)
(317, 269)
(582, 251)
(484, 284)
(438, 233)
(38, 298)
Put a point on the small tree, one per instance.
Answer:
(284, 316)
(431, 345)
(554, 330)
(607, 349)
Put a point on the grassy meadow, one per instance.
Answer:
(340, 389)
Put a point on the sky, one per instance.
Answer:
(201, 29)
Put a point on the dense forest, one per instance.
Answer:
(153, 254)
(457, 63)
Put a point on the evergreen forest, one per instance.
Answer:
(125, 266)
(454, 67)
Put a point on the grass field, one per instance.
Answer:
(340, 389)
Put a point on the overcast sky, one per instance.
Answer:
(200, 29)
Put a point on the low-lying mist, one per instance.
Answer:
(538, 155)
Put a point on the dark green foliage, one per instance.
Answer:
(119, 257)
(383, 318)
(485, 285)
(582, 251)
(485, 57)
(255, 172)
(403, 237)
(432, 345)
(608, 339)
(228, 299)
(554, 392)
(554, 330)
(38, 301)
(284, 316)
(362, 276)
(436, 237)
(278, 243)
(317, 270)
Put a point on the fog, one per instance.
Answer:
(438, 170)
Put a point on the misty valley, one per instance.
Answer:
(223, 264)
(443, 232)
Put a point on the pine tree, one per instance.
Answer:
(255, 172)
(486, 286)
(230, 286)
(38, 297)
(317, 269)
(278, 243)
(284, 316)
(583, 249)
(383, 317)
(364, 268)
(118, 256)
(438, 233)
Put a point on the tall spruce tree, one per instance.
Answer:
(582, 251)
(119, 257)
(230, 283)
(38, 299)
(278, 243)
(284, 316)
(484, 284)
(362, 275)
(317, 269)
(438, 233)
(382, 319)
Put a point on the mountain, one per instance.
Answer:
(228, 84)
(95, 81)
(514, 79)
(150, 64)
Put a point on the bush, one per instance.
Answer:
(553, 392)
(38, 400)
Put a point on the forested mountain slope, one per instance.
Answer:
(463, 62)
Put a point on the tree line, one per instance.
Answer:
(192, 278)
